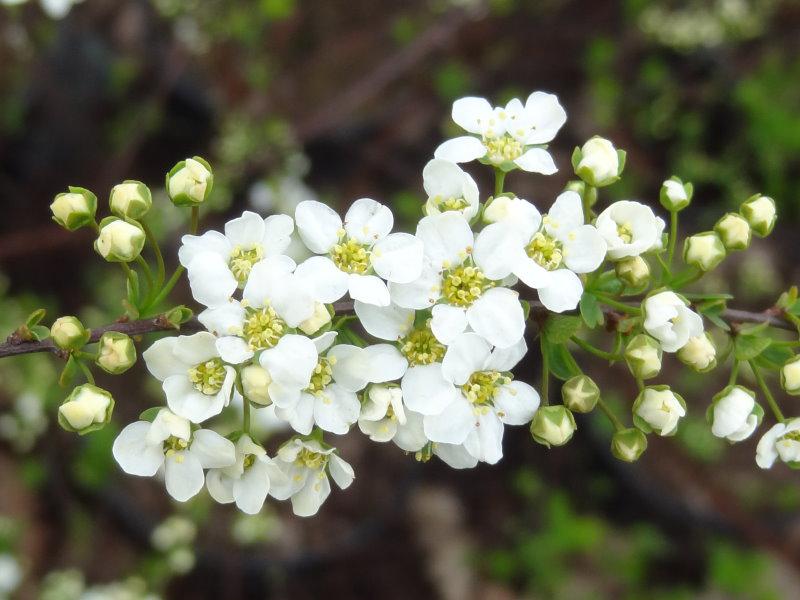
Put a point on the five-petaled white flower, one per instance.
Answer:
(142, 448)
(217, 264)
(449, 188)
(668, 318)
(357, 248)
(508, 138)
(781, 441)
(197, 382)
(307, 465)
(630, 229)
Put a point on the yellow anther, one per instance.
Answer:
(545, 250)
(463, 285)
(242, 260)
(421, 347)
(208, 377)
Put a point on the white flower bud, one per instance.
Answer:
(68, 333)
(117, 352)
(580, 394)
(598, 163)
(675, 195)
(761, 213)
(119, 241)
(734, 413)
(790, 376)
(74, 209)
(628, 444)
(86, 409)
(189, 182)
(703, 250)
(317, 321)
(633, 271)
(643, 356)
(553, 426)
(130, 200)
(734, 231)
(699, 353)
(255, 384)
(657, 408)
(498, 209)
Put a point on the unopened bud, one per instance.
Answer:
(761, 213)
(74, 209)
(189, 182)
(598, 163)
(734, 231)
(580, 394)
(118, 240)
(703, 250)
(675, 195)
(657, 408)
(734, 413)
(790, 376)
(130, 200)
(86, 409)
(117, 352)
(68, 333)
(255, 384)
(553, 426)
(643, 356)
(699, 353)
(628, 444)
(320, 318)
(633, 271)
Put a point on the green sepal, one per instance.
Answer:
(590, 311)
(69, 371)
(149, 414)
(178, 315)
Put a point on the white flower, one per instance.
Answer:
(449, 188)
(142, 448)
(488, 398)
(630, 229)
(509, 137)
(307, 465)
(781, 441)
(357, 248)
(790, 376)
(247, 481)
(219, 263)
(658, 408)
(597, 162)
(196, 381)
(382, 412)
(734, 414)
(545, 253)
(459, 286)
(668, 318)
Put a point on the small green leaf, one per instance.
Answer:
(748, 347)
(562, 364)
(178, 316)
(608, 283)
(526, 309)
(36, 316)
(69, 372)
(559, 328)
(774, 357)
(590, 311)
(39, 332)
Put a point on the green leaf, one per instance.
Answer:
(559, 328)
(608, 283)
(712, 310)
(36, 316)
(150, 414)
(68, 373)
(590, 311)
(562, 364)
(526, 309)
(748, 347)
(178, 316)
(773, 357)
(39, 332)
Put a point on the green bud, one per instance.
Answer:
(703, 250)
(74, 209)
(118, 240)
(553, 426)
(117, 352)
(130, 200)
(675, 195)
(628, 444)
(699, 353)
(643, 356)
(580, 394)
(633, 271)
(790, 376)
(760, 213)
(598, 163)
(734, 231)
(190, 181)
(86, 409)
(68, 333)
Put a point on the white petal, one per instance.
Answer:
(341, 471)
(565, 215)
(426, 391)
(563, 292)
(196, 348)
(448, 322)
(251, 489)
(497, 316)
(324, 341)
(536, 160)
(220, 487)
(421, 293)
(466, 354)
(505, 359)
(301, 417)
(212, 450)
(161, 361)
(210, 279)
(336, 409)
(531, 273)
(411, 436)
(234, 350)
(453, 424)
(447, 238)
(318, 225)
(187, 402)
(327, 282)
(385, 322)
(278, 231)
(461, 149)
(210, 241)
(546, 115)
(265, 277)
(367, 221)
(245, 231)
(307, 501)
(766, 453)
(291, 361)
(368, 289)
(134, 454)
(382, 430)
(455, 456)
(384, 362)
(398, 257)
(516, 403)
(223, 320)
(349, 366)
(497, 249)
(490, 436)
(584, 249)
(183, 475)
(469, 112)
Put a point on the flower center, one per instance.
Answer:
(322, 375)
(350, 256)
(263, 328)
(241, 261)
(792, 436)
(174, 444)
(625, 232)
(450, 203)
(502, 149)
(483, 386)
(208, 377)
(310, 459)
(421, 347)
(546, 251)
(463, 285)
(249, 459)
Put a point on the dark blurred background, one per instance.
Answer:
(292, 99)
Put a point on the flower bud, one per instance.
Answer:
(734, 413)
(628, 444)
(598, 163)
(761, 213)
(130, 200)
(657, 408)
(553, 426)
(633, 271)
(703, 250)
(675, 195)
(117, 352)
(119, 241)
(86, 409)
(580, 394)
(68, 333)
(255, 384)
(790, 376)
(643, 356)
(734, 231)
(320, 318)
(699, 353)
(74, 209)
(189, 182)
